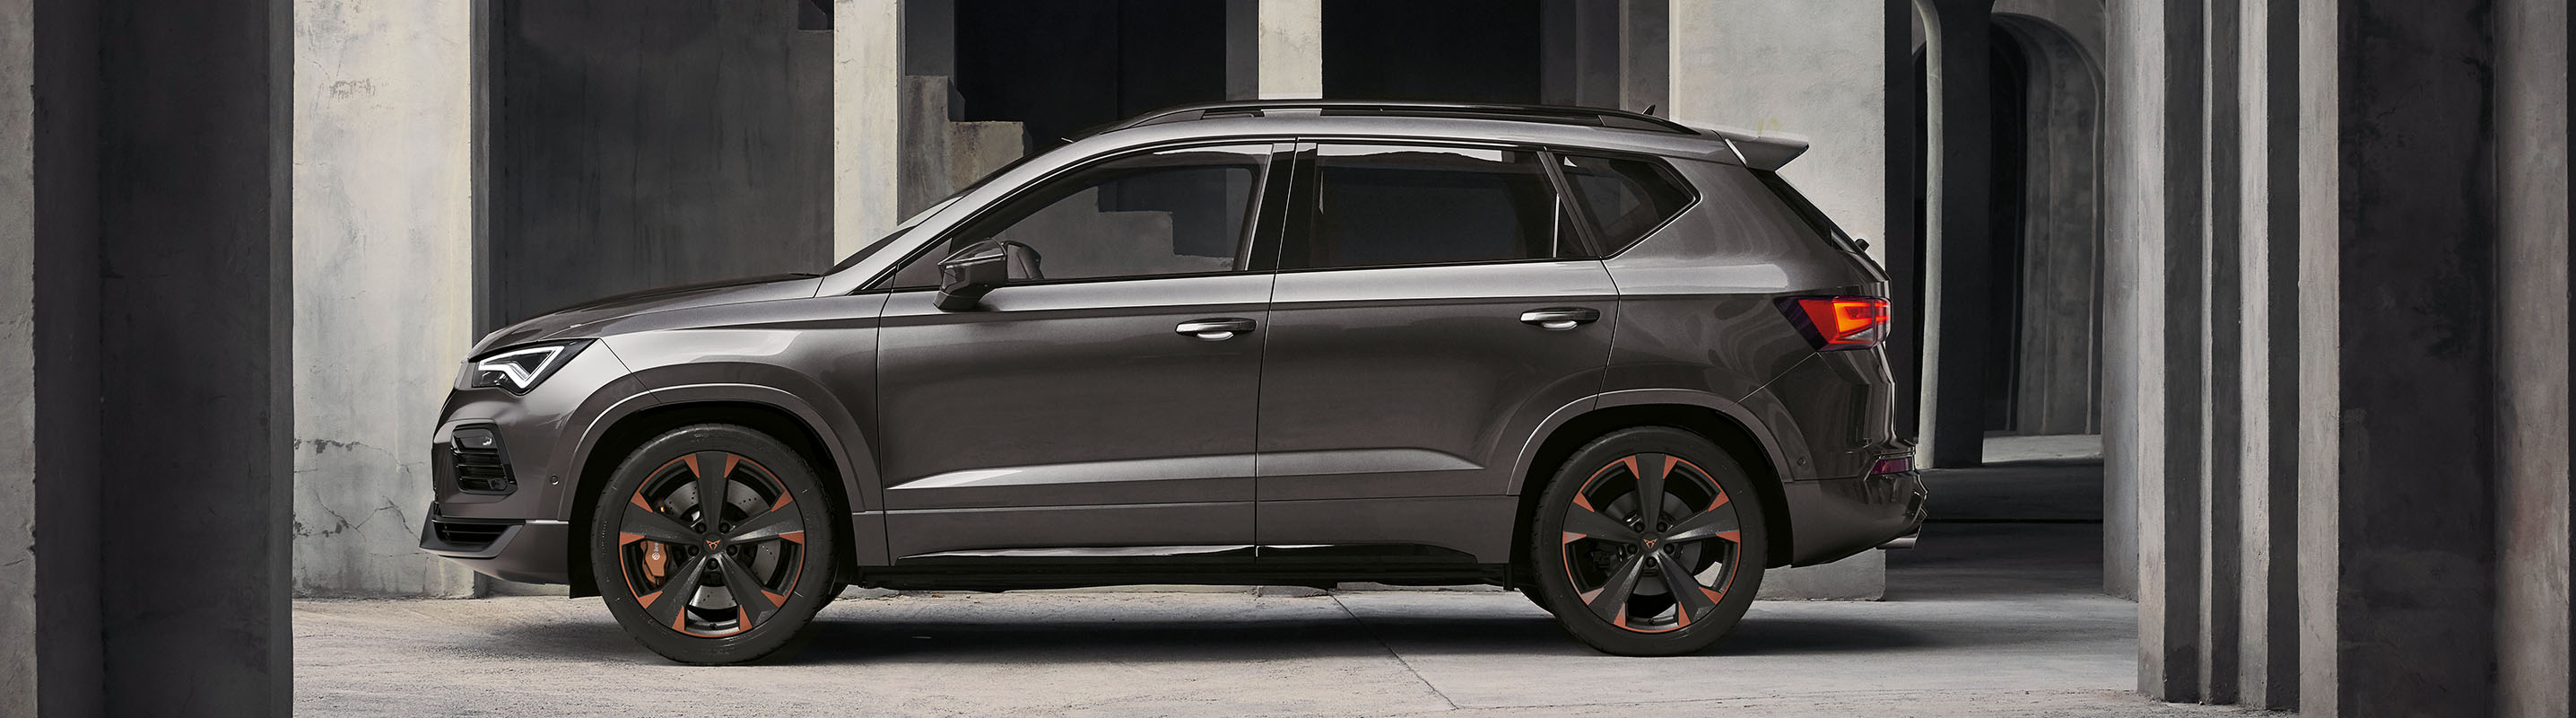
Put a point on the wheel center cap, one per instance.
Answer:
(1651, 540)
(711, 543)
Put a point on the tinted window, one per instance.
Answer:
(1381, 205)
(1181, 211)
(1625, 198)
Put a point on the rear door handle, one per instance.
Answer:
(1214, 330)
(1560, 318)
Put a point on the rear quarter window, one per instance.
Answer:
(1625, 199)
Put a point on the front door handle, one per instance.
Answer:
(1214, 330)
(1560, 318)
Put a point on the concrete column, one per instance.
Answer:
(2533, 500)
(2266, 381)
(1840, 102)
(1581, 52)
(383, 229)
(2402, 569)
(1645, 56)
(2154, 270)
(1958, 245)
(1274, 49)
(19, 664)
(867, 86)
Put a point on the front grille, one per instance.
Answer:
(475, 458)
(466, 535)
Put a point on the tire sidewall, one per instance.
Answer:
(805, 599)
(1546, 551)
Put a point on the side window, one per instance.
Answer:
(1626, 198)
(1181, 211)
(1388, 205)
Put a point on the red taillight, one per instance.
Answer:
(1839, 322)
(1896, 465)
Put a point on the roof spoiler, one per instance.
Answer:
(1755, 150)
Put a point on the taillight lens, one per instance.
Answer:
(1839, 322)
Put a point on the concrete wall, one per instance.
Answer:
(382, 226)
(642, 144)
(1731, 65)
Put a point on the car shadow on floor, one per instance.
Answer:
(847, 634)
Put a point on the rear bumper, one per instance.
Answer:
(1836, 518)
(526, 551)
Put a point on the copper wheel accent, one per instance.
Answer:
(711, 544)
(1650, 543)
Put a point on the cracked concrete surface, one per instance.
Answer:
(1994, 617)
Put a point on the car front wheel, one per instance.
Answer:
(713, 544)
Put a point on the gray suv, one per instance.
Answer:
(1605, 359)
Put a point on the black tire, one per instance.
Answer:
(1589, 537)
(775, 530)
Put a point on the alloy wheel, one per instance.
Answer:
(1650, 543)
(711, 544)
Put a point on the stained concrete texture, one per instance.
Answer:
(1988, 618)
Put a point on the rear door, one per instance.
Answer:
(1433, 304)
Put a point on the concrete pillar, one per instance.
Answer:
(1840, 101)
(2398, 572)
(1580, 44)
(1645, 56)
(144, 213)
(1958, 245)
(19, 664)
(2154, 266)
(2533, 501)
(1274, 49)
(867, 111)
(2266, 375)
(378, 86)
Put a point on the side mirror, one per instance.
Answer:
(966, 276)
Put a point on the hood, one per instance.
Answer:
(567, 323)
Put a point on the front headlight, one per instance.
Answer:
(519, 369)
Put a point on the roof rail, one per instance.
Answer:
(1588, 116)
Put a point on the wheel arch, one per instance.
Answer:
(1728, 432)
(629, 432)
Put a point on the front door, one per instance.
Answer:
(1105, 403)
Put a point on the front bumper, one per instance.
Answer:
(526, 551)
(1836, 518)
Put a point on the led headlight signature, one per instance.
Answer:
(519, 369)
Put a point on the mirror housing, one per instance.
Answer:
(970, 273)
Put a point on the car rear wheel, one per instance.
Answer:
(713, 544)
(1649, 542)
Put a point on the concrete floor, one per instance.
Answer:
(1999, 615)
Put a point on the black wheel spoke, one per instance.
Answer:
(769, 525)
(1612, 600)
(711, 468)
(1705, 525)
(675, 596)
(747, 592)
(1684, 586)
(655, 526)
(1591, 524)
(1650, 486)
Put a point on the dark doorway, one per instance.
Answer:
(2008, 83)
(1464, 50)
(1061, 68)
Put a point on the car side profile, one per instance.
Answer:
(1605, 359)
